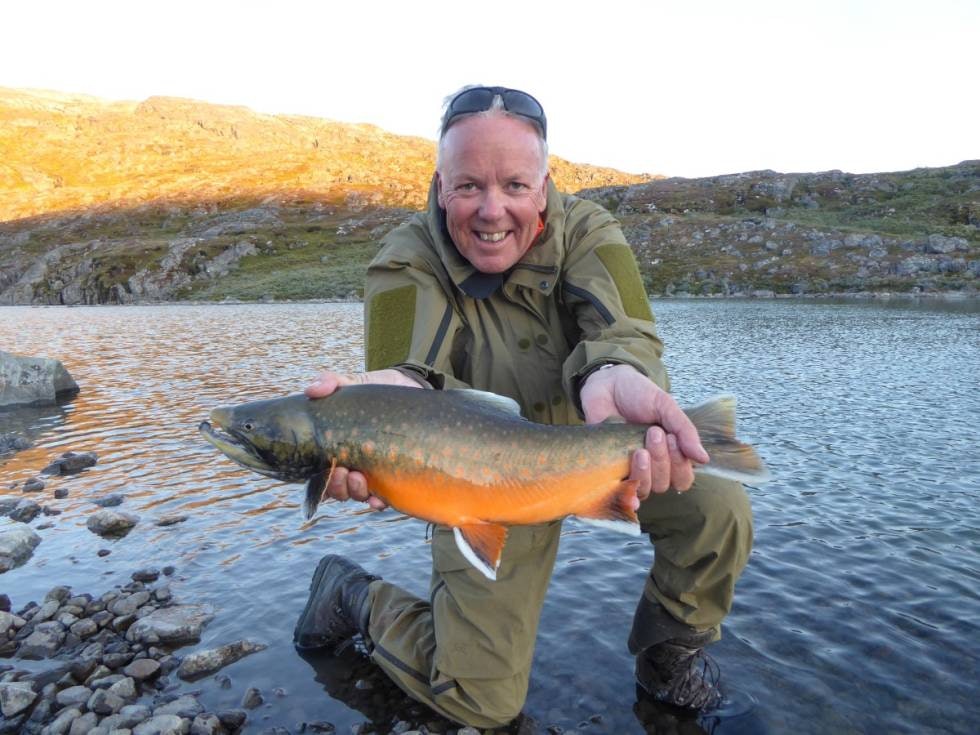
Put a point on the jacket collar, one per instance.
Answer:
(537, 270)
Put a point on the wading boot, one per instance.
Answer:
(338, 606)
(678, 672)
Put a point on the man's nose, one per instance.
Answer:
(492, 206)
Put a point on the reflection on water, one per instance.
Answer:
(858, 611)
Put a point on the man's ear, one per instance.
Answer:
(440, 198)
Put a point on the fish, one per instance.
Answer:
(462, 458)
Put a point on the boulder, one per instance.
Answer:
(15, 697)
(34, 381)
(111, 523)
(71, 463)
(171, 625)
(10, 442)
(201, 663)
(44, 642)
(25, 511)
(18, 543)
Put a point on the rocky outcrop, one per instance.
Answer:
(35, 381)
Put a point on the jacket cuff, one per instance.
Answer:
(429, 376)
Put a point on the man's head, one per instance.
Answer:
(492, 176)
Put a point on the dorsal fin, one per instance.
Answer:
(487, 400)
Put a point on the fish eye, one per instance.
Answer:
(248, 426)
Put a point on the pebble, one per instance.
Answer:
(61, 492)
(71, 463)
(109, 501)
(111, 523)
(147, 574)
(252, 699)
(33, 485)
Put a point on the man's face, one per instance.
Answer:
(492, 187)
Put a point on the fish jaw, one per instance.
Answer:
(237, 450)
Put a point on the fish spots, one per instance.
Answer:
(343, 455)
(542, 459)
(392, 455)
(368, 448)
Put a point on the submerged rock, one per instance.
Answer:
(201, 663)
(10, 442)
(33, 380)
(16, 546)
(111, 523)
(71, 463)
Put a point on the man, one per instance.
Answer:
(505, 285)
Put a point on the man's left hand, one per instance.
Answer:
(672, 444)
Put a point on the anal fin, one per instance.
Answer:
(314, 490)
(482, 544)
(615, 510)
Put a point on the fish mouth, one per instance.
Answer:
(238, 449)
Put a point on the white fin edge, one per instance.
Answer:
(631, 529)
(466, 550)
(494, 400)
(749, 478)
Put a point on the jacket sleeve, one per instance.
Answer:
(603, 291)
(409, 319)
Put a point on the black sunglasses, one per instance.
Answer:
(479, 99)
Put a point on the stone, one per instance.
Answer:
(25, 511)
(125, 688)
(62, 723)
(35, 381)
(147, 574)
(73, 696)
(13, 442)
(233, 719)
(15, 697)
(179, 624)
(108, 523)
(142, 669)
(44, 642)
(18, 543)
(206, 723)
(133, 714)
(201, 663)
(130, 604)
(84, 628)
(83, 725)
(109, 501)
(33, 485)
(252, 698)
(184, 706)
(71, 463)
(61, 493)
(163, 725)
(171, 520)
(104, 702)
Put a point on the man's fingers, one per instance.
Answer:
(676, 422)
(357, 486)
(325, 384)
(656, 444)
(681, 470)
(337, 486)
(640, 471)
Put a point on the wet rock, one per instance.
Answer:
(206, 723)
(147, 574)
(252, 699)
(163, 725)
(25, 511)
(15, 697)
(172, 625)
(4, 602)
(104, 702)
(44, 642)
(109, 501)
(73, 696)
(33, 380)
(13, 443)
(84, 628)
(61, 493)
(108, 523)
(17, 544)
(171, 520)
(185, 706)
(133, 714)
(201, 663)
(142, 669)
(130, 604)
(71, 463)
(33, 485)
(84, 724)
(125, 688)
(162, 594)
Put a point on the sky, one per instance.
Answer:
(687, 88)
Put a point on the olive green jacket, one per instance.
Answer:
(574, 302)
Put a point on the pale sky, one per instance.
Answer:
(687, 88)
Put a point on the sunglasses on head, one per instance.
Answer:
(479, 99)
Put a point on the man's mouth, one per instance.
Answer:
(492, 236)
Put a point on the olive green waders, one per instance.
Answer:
(466, 652)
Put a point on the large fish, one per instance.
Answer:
(462, 458)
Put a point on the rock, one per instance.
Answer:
(252, 699)
(142, 669)
(163, 725)
(62, 723)
(201, 663)
(35, 381)
(73, 696)
(25, 511)
(105, 702)
(71, 463)
(148, 574)
(18, 543)
(133, 714)
(184, 706)
(233, 719)
(84, 724)
(171, 520)
(129, 604)
(33, 485)
(15, 697)
(110, 523)
(125, 688)
(945, 245)
(206, 723)
(44, 642)
(109, 501)
(84, 628)
(172, 625)
(13, 443)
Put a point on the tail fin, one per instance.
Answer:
(730, 458)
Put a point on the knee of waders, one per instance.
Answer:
(485, 703)
(726, 510)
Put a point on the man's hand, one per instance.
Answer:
(672, 446)
(346, 484)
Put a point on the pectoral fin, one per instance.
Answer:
(614, 510)
(482, 544)
(314, 490)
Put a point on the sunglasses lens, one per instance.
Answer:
(479, 99)
(521, 103)
(473, 100)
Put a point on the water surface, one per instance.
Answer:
(858, 611)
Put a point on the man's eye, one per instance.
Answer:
(517, 186)
(466, 187)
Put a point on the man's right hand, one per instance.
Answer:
(347, 484)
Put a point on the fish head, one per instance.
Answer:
(275, 438)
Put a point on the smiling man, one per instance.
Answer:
(505, 285)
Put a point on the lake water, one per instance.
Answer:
(858, 612)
